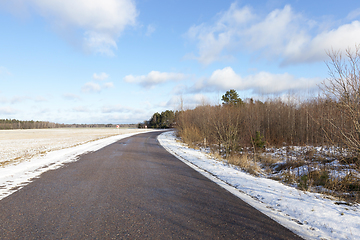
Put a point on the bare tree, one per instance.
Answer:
(342, 88)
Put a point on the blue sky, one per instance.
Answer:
(120, 61)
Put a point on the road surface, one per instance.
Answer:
(132, 189)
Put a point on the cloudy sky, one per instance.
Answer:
(119, 61)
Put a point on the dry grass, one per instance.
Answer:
(245, 162)
(217, 155)
(288, 177)
(191, 136)
(268, 160)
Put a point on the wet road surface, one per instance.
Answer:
(132, 189)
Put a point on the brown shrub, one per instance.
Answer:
(191, 135)
(245, 162)
(268, 160)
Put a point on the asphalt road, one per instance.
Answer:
(132, 189)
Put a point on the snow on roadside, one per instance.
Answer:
(310, 215)
(14, 177)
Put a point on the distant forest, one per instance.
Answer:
(6, 124)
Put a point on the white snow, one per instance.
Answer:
(14, 176)
(310, 215)
(23, 144)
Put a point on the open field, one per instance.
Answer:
(20, 145)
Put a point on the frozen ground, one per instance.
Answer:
(19, 145)
(311, 215)
(57, 146)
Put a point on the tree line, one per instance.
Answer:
(165, 119)
(277, 122)
(18, 124)
(7, 124)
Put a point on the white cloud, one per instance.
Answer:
(18, 99)
(94, 87)
(108, 85)
(71, 96)
(345, 36)
(81, 109)
(154, 78)
(260, 83)
(129, 117)
(40, 99)
(353, 14)
(115, 109)
(91, 87)
(188, 101)
(280, 28)
(101, 77)
(101, 21)
(43, 111)
(7, 110)
(282, 33)
(150, 30)
(213, 39)
(3, 99)
(120, 109)
(196, 99)
(99, 43)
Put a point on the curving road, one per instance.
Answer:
(132, 189)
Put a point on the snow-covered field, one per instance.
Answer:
(310, 215)
(19, 145)
(42, 150)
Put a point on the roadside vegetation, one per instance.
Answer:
(312, 144)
